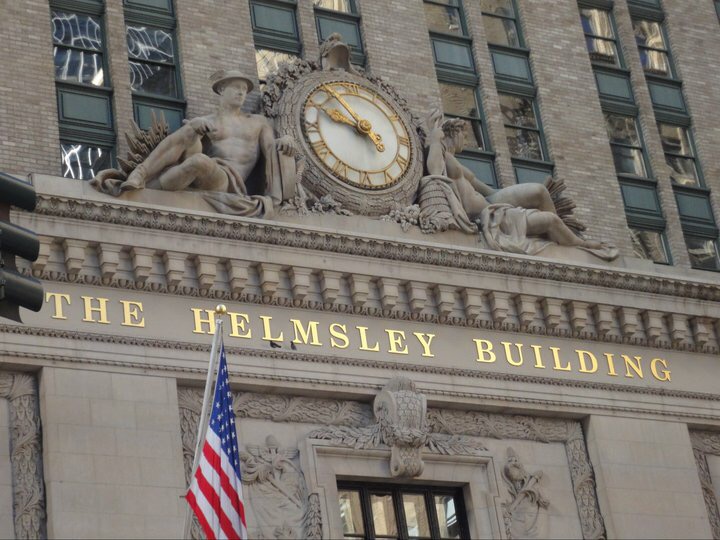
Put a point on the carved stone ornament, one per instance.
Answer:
(707, 443)
(400, 423)
(25, 454)
(521, 513)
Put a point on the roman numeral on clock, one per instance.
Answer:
(321, 149)
(340, 169)
(401, 161)
(353, 89)
(365, 179)
(404, 141)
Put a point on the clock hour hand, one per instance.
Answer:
(337, 116)
(363, 126)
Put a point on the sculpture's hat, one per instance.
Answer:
(222, 77)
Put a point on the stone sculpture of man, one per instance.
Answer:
(215, 152)
(508, 216)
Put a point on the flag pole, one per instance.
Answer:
(207, 397)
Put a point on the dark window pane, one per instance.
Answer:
(447, 516)
(649, 245)
(628, 160)
(346, 6)
(455, 54)
(268, 61)
(622, 129)
(349, 30)
(655, 62)
(684, 170)
(76, 30)
(78, 66)
(416, 515)
(498, 7)
(383, 514)
(351, 512)
(145, 43)
(165, 5)
(524, 143)
(83, 161)
(482, 169)
(518, 111)
(501, 31)
(459, 100)
(274, 19)
(703, 253)
(602, 50)
(596, 22)
(649, 34)
(443, 19)
(153, 79)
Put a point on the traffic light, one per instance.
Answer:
(16, 290)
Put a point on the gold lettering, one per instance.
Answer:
(307, 335)
(199, 320)
(339, 331)
(556, 359)
(363, 340)
(101, 309)
(508, 353)
(538, 359)
(635, 365)
(582, 355)
(665, 372)
(237, 325)
(267, 331)
(58, 298)
(611, 365)
(484, 347)
(397, 339)
(132, 314)
(425, 343)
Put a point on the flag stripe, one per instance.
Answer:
(215, 491)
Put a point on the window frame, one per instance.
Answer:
(672, 75)
(608, 8)
(539, 128)
(516, 20)
(649, 176)
(457, 4)
(396, 490)
(357, 56)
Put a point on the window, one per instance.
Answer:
(444, 16)
(679, 154)
(87, 134)
(600, 36)
(340, 16)
(653, 51)
(500, 24)
(703, 252)
(275, 31)
(650, 245)
(153, 60)
(626, 145)
(461, 102)
(521, 127)
(387, 511)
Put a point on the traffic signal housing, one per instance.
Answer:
(16, 290)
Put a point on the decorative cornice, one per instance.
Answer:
(343, 361)
(278, 234)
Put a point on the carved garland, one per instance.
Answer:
(25, 454)
(282, 235)
(452, 424)
(704, 443)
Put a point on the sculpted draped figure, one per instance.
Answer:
(516, 218)
(216, 154)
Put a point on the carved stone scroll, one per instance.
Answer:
(704, 443)
(25, 454)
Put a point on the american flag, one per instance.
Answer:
(215, 492)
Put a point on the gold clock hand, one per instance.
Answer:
(363, 126)
(337, 116)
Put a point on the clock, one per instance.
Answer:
(360, 144)
(356, 134)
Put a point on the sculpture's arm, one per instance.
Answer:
(479, 186)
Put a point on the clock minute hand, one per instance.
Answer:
(342, 102)
(363, 126)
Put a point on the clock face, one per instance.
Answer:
(356, 134)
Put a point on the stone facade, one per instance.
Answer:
(566, 396)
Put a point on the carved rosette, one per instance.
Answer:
(25, 454)
(287, 104)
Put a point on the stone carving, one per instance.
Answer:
(521, 513)
(190, 404)
(520, 218)
(276, 490)
(214, 154)
(704, 443)
(400, 423)
(25, 454)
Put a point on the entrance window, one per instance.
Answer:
(386, 511)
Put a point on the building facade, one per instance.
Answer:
(389, 381)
